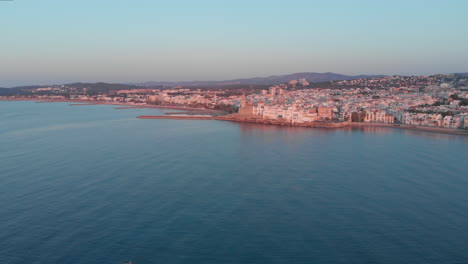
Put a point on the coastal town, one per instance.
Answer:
(438, 101)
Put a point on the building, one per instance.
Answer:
(325, 113)
(303, 82)
(246, 109)
(377, 116)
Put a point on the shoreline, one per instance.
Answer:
(341, 125)
(231, 118)
(439, 130)
(121, 104)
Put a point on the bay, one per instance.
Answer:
(93, 184)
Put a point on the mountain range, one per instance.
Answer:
(270, 80)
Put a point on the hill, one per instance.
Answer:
(10, 91)
(270, 80)
(464, 74)
(100, 87)
(89, 88)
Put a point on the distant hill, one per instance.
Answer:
(104, 86)
(464, 74)
(101, 87)
(9, 91)
(92, 88)
(271, 80)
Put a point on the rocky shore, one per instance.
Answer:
(336, 125)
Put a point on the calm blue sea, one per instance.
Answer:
(92, 184)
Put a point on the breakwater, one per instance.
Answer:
(178, 117)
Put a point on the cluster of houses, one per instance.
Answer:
(435, 120)
(297, 114)
(434, 101)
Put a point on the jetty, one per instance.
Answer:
(192, 117)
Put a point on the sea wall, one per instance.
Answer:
(282, 122)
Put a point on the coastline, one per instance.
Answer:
(340, 125)
(330, 125)
(439, 130)
(120, 104)
(234, 118)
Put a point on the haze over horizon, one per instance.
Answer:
(49, 41)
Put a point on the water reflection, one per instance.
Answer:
(411, 132)
(285, 133)
(302, 133)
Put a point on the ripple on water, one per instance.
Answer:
(96, 185)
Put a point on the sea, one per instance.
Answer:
(95, 185)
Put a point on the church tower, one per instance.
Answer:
(243, 100)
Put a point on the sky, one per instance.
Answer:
(63, 41)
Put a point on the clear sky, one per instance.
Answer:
(59, 41)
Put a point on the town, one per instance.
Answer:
(428, 101)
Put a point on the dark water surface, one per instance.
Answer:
(91, 184)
